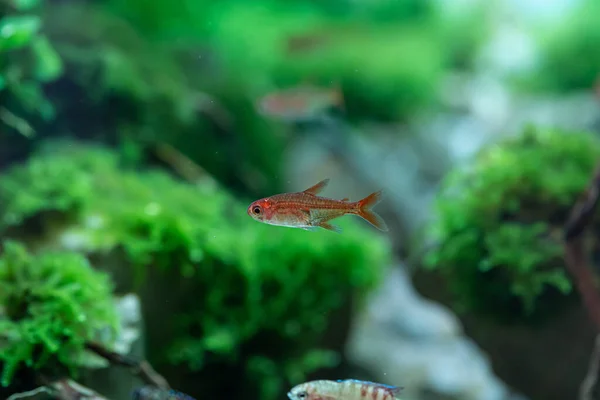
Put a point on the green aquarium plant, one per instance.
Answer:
(28, 61)
(225, 298)
(499, 222)
(564, 46)
(150, 72)
(51, 305)
(388, 56)
(125, 87)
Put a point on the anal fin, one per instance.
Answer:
(330, 227)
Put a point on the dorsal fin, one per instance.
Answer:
(316, 189)
(392, 389)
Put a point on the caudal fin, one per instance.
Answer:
(365, 211)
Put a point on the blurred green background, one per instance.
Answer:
(135, 133)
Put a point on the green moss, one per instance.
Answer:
(48, 194)
(51, 304)
(499, 221)
(125, 87)
(230, 289)
(364, 47)
(361, 50)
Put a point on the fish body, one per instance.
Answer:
(152, 393)
(300, 103)
(305, 43)
(322, 39)
(308, 211)
(349, 389)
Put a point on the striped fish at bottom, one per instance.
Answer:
(348, 389)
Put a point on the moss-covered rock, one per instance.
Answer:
(225, 298)
(499, 222)
(51, 304)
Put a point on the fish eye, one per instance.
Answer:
(256, 210)
(302, 395)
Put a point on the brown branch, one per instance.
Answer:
(29, 394)
(579, 268)
(589, 388)
(216, 112)
(183, 165)
(583, 211)
(64, 389)
(575, 256)
(142, 369)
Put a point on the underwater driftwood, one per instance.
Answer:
(577, 265)
(142, 369)
(66, 389)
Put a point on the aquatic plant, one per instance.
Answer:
(28, 61)
(499, 222)
(124, 87)
(365, 47)
(148, 72)
(563, 47)
(51, 304)
(224, 297)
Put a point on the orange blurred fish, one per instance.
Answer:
(301, 102)
(323, 38)
(306, 42)
(308, 211)
(349, 389)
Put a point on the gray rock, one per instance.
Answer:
(130, 316)
(118, 382)
(409, 341)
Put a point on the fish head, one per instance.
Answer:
(300, 392)
(260, 210)
(271, 104)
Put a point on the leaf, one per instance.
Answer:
(18, 31)
(48, 64)
(17, 123)
(26, 5)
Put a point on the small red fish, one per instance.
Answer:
(308, 211)
(349, 389)
(303, 102)
(323, 38)
(306, 42)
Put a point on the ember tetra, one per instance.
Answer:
(308, 211)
